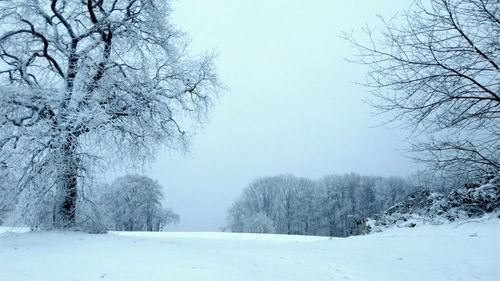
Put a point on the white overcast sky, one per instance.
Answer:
(291, 104)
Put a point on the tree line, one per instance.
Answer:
(334, 205)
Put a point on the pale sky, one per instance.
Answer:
(291, 104)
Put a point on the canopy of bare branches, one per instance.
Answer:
(438, 71)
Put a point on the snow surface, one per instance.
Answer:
(459, 251)
(224, 236)
(6, 229)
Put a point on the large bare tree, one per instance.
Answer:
(86, 79)
(437, 69)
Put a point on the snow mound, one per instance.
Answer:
(426, 206)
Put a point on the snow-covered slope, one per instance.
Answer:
(467, 251)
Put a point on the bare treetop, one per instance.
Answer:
(438, 71)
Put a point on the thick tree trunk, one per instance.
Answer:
(68, 184)
(68, 206)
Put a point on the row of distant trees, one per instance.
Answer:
(335, 205)
(130, 203)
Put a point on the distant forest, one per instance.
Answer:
(335, 205)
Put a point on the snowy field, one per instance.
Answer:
(448, 252)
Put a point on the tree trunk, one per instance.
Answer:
(68, 184)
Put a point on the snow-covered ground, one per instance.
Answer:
(468, 251)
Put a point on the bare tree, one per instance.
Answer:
(81, 80)
(288, 203)
(437, 69)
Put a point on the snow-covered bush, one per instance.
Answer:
(260, 223)
(7, 204)
(91, 216)
(427, 206)
(475, 200)
(37, 214)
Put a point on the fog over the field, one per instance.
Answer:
(290, 107)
